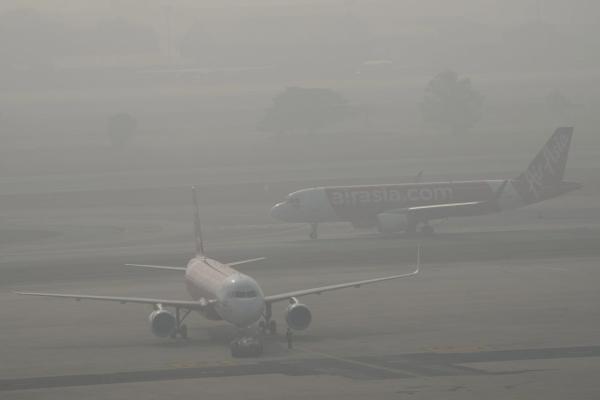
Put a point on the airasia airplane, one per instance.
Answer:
(219, 292)
(405, 207)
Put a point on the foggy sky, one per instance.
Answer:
(202, 74)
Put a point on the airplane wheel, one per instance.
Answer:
(262, 327)
(272, 327)
(183, 331)
(313, 235)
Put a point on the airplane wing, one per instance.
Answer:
(192, 305)
(438, 211)
(163, 267)
(248, 261)
(170, 268)
(463, 209)
(356, 284)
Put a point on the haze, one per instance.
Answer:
(111, 110)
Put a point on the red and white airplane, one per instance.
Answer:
(405, 207)
(219, 292)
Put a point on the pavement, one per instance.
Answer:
(505, 306)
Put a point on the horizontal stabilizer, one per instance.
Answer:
(248, 261)
(163, 267)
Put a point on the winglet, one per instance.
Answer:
(197, 227)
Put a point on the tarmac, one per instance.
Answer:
(506, 306)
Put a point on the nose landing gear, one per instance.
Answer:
(269, 327)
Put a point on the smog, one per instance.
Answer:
(299, 199)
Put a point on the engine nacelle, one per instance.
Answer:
(162, 323)
(391, 222)
(298, 316)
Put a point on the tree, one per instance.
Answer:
(302, 109)
(452, 102)
(121, 129)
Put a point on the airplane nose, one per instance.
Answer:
(246, 313)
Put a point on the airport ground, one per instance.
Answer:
(506, 305)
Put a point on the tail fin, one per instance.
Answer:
(197, 227)
(544, 175)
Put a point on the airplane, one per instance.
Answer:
(220, 292)
(394, 208)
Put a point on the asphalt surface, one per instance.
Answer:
(505, 306)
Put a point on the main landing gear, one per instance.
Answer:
(180, 328)
(269, 327)
(313, 230)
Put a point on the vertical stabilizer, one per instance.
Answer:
(543, 177)
(197, 227)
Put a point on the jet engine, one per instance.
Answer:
(162, 322)
(298, 316)
(391, 222)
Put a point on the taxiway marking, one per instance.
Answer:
(396, 371)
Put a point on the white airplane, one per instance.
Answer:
(403, 207)
(219, 292)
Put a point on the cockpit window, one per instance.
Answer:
(244, 294)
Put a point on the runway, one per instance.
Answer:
(505, 307)
(362, 368)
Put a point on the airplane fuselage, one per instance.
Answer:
(234, 297)
(401, 207)
(362, 204)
